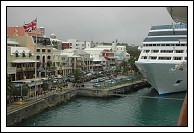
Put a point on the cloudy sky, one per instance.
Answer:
(100, 24)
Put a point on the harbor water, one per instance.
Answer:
(142, 108)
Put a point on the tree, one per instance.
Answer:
(49, 63)
(10, 87)
(125, 67)
(16, 91)
(134, 52)
(77, 74)
(133, 67)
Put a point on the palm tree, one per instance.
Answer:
(77, 75)
(125, 66)
(133, 67)
(10, 87)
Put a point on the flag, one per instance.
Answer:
(30, 26)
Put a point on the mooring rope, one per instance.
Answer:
(167, 98)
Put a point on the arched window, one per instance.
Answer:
(23, 54)
(48, 57)
(30, 54)
(38, 57)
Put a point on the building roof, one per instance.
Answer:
(23, 61)
(12, 42)
(20, 50)
(96, 49)
(81, 52)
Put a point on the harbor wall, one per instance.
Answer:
(26, 111)
(119, 89)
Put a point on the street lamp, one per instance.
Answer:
(21, 91)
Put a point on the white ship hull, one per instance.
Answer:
(163, 77)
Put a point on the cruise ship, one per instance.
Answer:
(163, 58)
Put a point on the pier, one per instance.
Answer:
(16, 113)
(118, 89)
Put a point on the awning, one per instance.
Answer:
(30, 82)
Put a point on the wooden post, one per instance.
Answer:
(182, 120)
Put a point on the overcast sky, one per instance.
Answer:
(103, 24)
(100, 24)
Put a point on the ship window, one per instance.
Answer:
(162, 44)
(182, 44)
(158, 44)
(166, 51)
(155, 51)
(164, 58)
(185, 58)
(153, 57)
(177, 44)
(154, 44)
(144, 57)
(172, 44)
(150, 44)
(146, 51)
(177, 58)
(179, 51)
(167, 44)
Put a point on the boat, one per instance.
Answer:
(163, 58)
(179, 14)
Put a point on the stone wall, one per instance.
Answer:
(26, 111)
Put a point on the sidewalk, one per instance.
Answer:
(29, 100)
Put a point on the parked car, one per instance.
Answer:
(96, 85)
(55, 80)
(100, 79)
(129, 78)
(94, 81)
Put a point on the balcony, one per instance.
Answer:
(19, 69)
(11, 70)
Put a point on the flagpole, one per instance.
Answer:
(35, 63)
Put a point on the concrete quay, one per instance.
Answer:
(16, 113)
(118, 89)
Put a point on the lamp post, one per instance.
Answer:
(21, 91)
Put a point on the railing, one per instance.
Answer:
(19, 69)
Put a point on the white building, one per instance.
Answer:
(56, 43)
(76, 44)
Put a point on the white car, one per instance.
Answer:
(94, 81)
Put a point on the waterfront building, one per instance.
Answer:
(38, 45)
(71, 59)
(58, 63)
(96, 55)
(76, 44)
(107, 56)
(65, 45)
(20, 63)
(56, 43)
